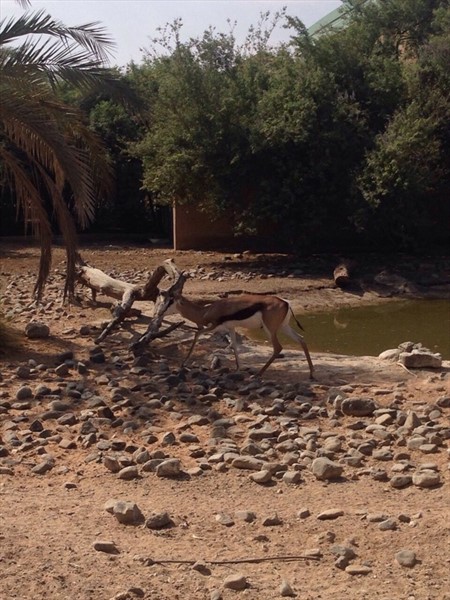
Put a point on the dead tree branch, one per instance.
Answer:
(162, 303)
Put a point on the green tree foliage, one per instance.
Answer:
(340, 137)
(404, 179)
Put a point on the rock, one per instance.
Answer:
(127, 513)
(406, 558)
(245, 515)
(112, 464)
(400, 481)
(303, 513)
(23, 393)
(43, 467)
(358, 407)
(169, 468)
(235, 582)
(292, 477)
(158, 520)
(105, 546)
(426, 479)
(332, 513)
(272, 521)
(286, 589)
(224, 520)
(358, 570)
(420, 359)
(201, 567)
(325, 469)
(37, 330)
(343, 551)
(62, 370)
(247, 462)
(388, 525)
(391, 354)
(261, 477)
(6, 471)
(412, 421)
(128, 473)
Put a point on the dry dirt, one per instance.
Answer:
(49, 522)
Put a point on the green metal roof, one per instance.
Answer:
(333, 19)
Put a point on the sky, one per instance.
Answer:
(133, 23)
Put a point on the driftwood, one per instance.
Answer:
(341, 274)
(101, 283)
(161, 305)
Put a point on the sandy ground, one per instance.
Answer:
(49, 522)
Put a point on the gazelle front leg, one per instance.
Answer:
(194, 341)
(232, 333)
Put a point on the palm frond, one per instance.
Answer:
(92, 37)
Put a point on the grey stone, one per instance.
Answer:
(358, 570)
(127, 513)
(391, 354)
(412, 421)
(388, 525)
(62, 370)
(272, 521)
(105, 546)
(247, 462)
(292, 477)
(202, 568)
(332, 513)
(37, 330)
(43, 467)
(236, 582)
(400, 481)
(128, 473)
(224, 520)
(325, 469)
(358, 407)
(426, 479)
(23, 393)
(286, 589)
(169, 468)
(112, 463)
(406, 558)
(158, 520)
(420, 359)
(261, 477)
(245, 515)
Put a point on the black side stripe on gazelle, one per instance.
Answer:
(241, 315)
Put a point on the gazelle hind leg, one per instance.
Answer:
(277, 348)
(287, 329)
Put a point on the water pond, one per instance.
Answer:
(368, 330)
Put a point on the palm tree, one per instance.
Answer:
(54, 165)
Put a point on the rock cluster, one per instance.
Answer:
(413, 356)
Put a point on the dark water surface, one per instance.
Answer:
(368, 330)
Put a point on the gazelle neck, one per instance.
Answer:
(193, 311)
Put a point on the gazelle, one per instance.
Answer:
(250, 311)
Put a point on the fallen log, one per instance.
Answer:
(101, 283)
(341, 274)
